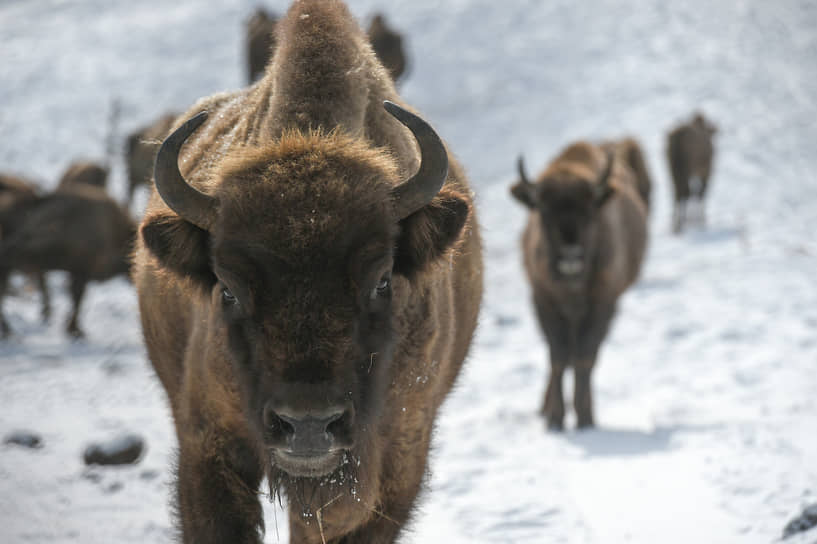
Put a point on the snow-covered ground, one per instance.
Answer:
(705, 391)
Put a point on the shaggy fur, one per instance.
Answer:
(583, 246)
(689, 153)
(276, 302)
(628, 150)
(80, 230)
(140, 151)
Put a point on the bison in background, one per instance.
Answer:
(17, 195)
(86, 173)
(689, 154)
(309, 276)
(140, 152)
(261, 39)
(80, 230)
(582, 247)
(260, 42)
(388, 46)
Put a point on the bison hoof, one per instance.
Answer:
(555, 425)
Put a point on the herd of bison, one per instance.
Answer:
(309, 248)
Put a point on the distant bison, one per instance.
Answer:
(388, 46)
(17, 197)
(260, 42)
(86, 173)
(140, 151)
(690, 152)
(80, 230)
(309, 276)
(583, 246)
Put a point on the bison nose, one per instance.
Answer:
(309, 433)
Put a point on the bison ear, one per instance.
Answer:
(179, 245)
(429, 232)
(523, 192)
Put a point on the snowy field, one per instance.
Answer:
(706, 389)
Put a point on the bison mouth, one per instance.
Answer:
(306, 464)
(310, 482)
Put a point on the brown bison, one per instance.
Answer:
(689, 153)
(260, 42)
(140, 151)
(309, 276)
(388, 46)
(80, 230)
(17, 195)
(85, 173)
(582, 247)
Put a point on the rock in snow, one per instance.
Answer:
(123, 450)
(26, 439)
(803, 522)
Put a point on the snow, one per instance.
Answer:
(705, 386)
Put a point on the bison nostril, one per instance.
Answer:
(274, 423)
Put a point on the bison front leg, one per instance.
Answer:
(218, 479)
(5, 330)
(553, 407)
(591, 335)
(78, 284)
(583, 395)
(45, 297)
(558, 334)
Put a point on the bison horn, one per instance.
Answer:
(418, 191)
(520, 166)
(191, 204)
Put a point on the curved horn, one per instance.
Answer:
(418, 191)
(191, 204)
(520, 166)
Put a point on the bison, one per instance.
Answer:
(260, 42)
(17, 195)
(309, 276)
(86, 173)
(388, 46)
(261, 39)
(80, 230)
(689, 154)
(582, 247)
(140, 151)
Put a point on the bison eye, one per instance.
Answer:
(382, 286)
(227, 297)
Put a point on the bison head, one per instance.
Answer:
(567, 198)
(311, 251)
